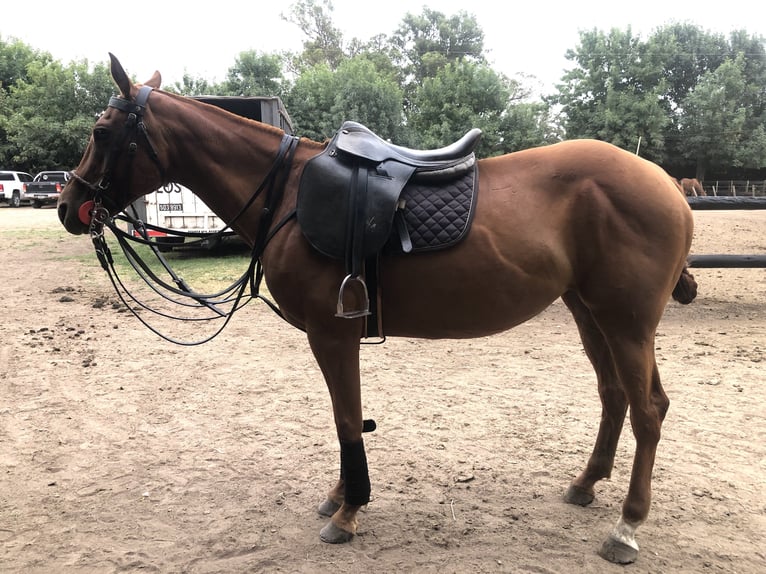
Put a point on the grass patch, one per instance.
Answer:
(203, 271)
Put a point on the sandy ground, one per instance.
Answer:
(120, 452)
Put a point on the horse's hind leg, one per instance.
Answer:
(629, 332)
(648, 406)
(614, 404)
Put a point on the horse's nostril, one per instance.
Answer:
(62, 212)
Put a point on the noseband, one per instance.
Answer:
(91, 212)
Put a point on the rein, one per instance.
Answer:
(97, 216)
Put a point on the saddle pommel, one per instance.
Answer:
(358, 140)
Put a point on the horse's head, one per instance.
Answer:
(120, 163)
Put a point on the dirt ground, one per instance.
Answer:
(120, 452)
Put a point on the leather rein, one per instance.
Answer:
(97, 216)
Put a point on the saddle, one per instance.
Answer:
(351, 203)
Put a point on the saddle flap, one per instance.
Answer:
(328, 208)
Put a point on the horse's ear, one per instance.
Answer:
(120, 77)
(154, 81)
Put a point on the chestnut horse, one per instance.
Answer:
(582, 220)
(692, 187)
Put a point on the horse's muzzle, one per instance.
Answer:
(71, 219)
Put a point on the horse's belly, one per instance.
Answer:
(461, 299)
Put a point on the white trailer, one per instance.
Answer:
(176, 208)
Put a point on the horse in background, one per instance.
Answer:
(692, 187)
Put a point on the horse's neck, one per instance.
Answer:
(221, 158)
(218, 153)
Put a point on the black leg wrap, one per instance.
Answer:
(353, 463)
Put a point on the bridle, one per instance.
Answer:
(134, 126)
(93, 213)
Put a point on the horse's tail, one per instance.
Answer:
(686, 288)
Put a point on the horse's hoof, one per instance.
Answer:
(334, 535)
(617, 551)
(578, 496)
(328, 507)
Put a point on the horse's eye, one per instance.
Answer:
(100, 134)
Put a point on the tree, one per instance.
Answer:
(194, 86)
(661, 89)
(365, 95)
(309, 102)
(716, 109)
(429, 41)
(424, 86)
(321, 99)
(424, 44)
(15, 56)
(50, 114)
(616, 94)
(255, 74)
(324, 43)
(460, 96)
(525, 125)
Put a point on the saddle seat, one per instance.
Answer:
(358, 140)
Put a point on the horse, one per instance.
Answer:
(678, 185)
(581, 220)
(692, 187)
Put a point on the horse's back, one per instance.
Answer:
(579, 186)
(581, 216)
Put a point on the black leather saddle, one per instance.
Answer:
(349, 194)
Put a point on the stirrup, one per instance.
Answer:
(356, 313)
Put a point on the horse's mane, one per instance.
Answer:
(215, 110)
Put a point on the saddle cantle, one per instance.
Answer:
(351, 193)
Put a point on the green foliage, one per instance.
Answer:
(324, 43)
(526, 125)
(429, 41)
(461, 95)
(194, 86)
(717, 106)
(309, 103)
(695, 100)
(322, 99)
(255, 74)
(15, 56)
(51, 112)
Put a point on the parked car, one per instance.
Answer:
(12, 187)
(46, 187)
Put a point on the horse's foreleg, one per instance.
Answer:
(338, 358)
(613, 405)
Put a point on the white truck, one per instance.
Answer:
(175, 207)
(12, 187)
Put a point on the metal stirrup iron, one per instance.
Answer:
(354, 314)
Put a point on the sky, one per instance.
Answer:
(522, 39)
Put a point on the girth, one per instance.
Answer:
(350, 197)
